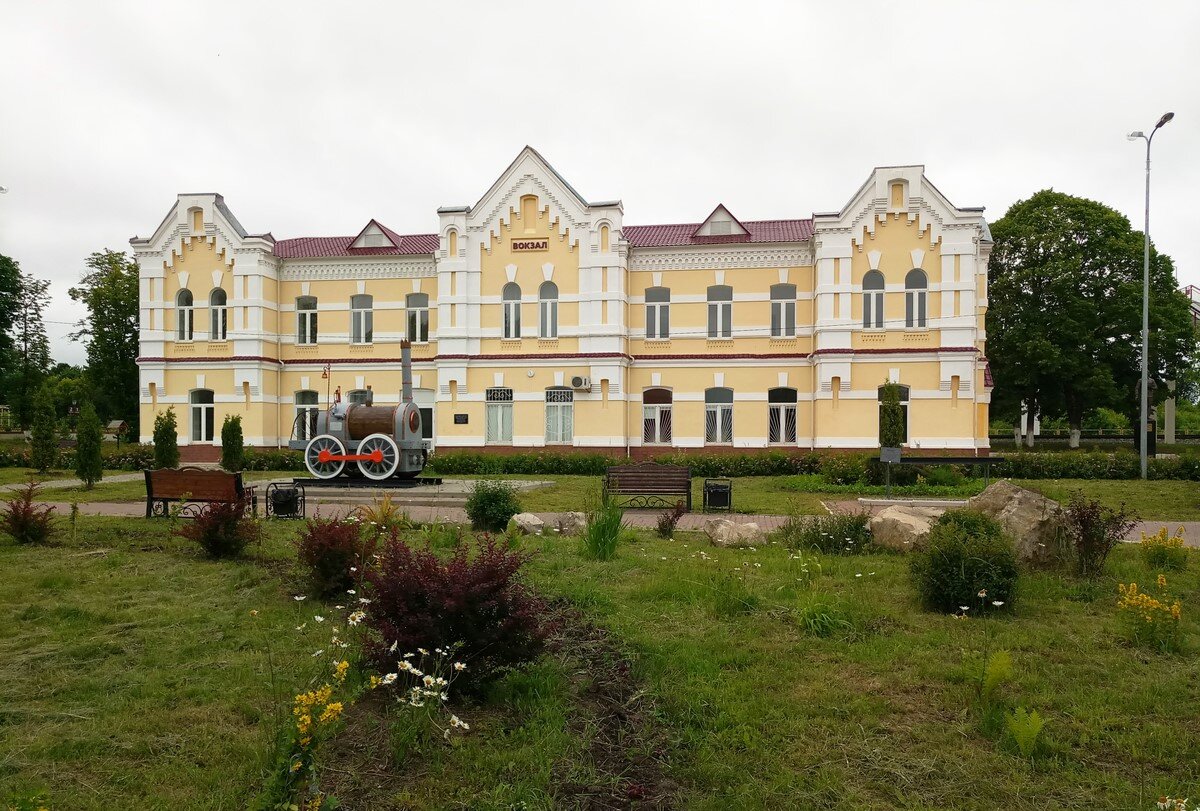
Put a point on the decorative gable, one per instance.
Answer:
(721, 223)
(374, 235)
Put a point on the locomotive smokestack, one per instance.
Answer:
(406, 370)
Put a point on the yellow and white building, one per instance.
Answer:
(541, 320)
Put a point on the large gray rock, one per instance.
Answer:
(572, 523)
(903, 528)
(1035, 522)
(528, 524)
(726, 533)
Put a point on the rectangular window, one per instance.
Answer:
(560, 416)
(498, 417)
(306, 421)
(873, 310)
(781, 424)
(718, 423)
(720, 318)
(218, 327)
(185, 323)
(512, 319)
(418, 325)
(656, 424)
(914, 309)
(362, 320)
(783, 319)
(658, 320)
(549, 318)
(203, 419)
(306, 327)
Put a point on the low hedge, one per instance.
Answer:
(128, 457)
(463, 463)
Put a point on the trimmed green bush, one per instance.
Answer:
(272, 459)
(968, 562)
(844, 468)
(492, 504)
(772, 463)
(891, 416)
(233, 451)
(43, 434)
(166, 439)
(89, 466)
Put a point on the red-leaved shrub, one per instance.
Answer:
(476, 601)
(330, 549)
(223, 529)
(25, 521)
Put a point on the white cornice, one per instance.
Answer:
(707, 257)
(387, 267)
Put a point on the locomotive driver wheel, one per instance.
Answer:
(388, 456)
(312, 456)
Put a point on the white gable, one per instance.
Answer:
(373, 237)
(719, 224)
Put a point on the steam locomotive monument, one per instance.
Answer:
(378, 442)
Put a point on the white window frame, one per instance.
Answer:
(218, 316)
(873, 301)
(653, 412)
(548, 310)
(511, 315)
(782, 416)
(720, 312)
(916, 299)
(416, 317)
(306, 321)
(498, 416)
(362, 319)
(309, 409)
(203, 417)
(658, 314)
(783, 311)
(185, 316)
(560, 416)
(718, 417)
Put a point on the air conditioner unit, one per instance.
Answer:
(580, 383)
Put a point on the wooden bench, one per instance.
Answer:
(649, 485)
(194, 485)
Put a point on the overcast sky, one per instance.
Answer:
(312, 118)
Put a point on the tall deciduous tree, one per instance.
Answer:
(1064, 310)
(109, 290)
(29, 355)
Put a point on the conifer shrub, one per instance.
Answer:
(331, 550)
(968, 564)
(43, 432)
(233, 451)
(166, 439)
(492, 504)
(89, 464)
(223, 529)
(25, 521)
(474, 599)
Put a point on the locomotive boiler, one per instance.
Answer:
(379, 442)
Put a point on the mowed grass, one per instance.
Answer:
(1151, 500)
(132, 675)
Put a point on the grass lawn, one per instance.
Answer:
(134, 676)
(20, 475)
(1151, 500)
(135, 489)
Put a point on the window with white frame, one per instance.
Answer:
(498, 415)
(560, 415)
(915, 284)
(218, 315)
(184, 315)
(783, 311)
(720, 311)
(306, 320)
(781, 416)
(656, 416)
(548, 310)
(362, 319)
(658, 312)
(873, 300)
(416, 308)
(510, 299)
(904, 391)
(203, 415)
(359, 396)
(307, 408)
(718, 416)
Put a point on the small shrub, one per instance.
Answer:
(89, 465)
(233, 451)
(384, 517)
(1025, 729)
(1163, 552)
(603, 531)
(968, 562)
(492, 504)
(942, 476)
(43, 436)
(891, 416)
(1151, 621)
(475, 604)
(835, 534)
(667, 521)
(1094, 530)
(223, 529)
(330, 549)
(844, 468)
(166, 439)
(26, 522)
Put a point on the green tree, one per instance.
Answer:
(28, 360)
(10, 291)
(233, 453)
(1064, 311)
(44, 439)
(891, 416)
(109, 290)
(88, 465)
(166, 439)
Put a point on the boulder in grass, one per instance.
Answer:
(527, 524)
(1035, 523)
(573, 523)
(903, 528)
(725, 533)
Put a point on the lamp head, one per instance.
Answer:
(1133, 136)
(1166, 117)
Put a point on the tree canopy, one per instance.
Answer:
(109, 290)
(25, 349)
(1065, 310)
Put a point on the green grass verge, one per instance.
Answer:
(1151, 500)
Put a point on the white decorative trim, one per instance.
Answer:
(183, 277)
(720, 274)
(719, 380)
(362, 287)
(547, 271)
(655, 379)
(656, 279)
(497, 381)
(511, 272)
(873, 259)
(783, 380)
(918, 256)
(389, 267)
(416, 285)
(712, 257)
(217, 275)
(783, 275)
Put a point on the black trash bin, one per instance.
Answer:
(718, 494)
(285, 501)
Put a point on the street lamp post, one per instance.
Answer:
(1145, 387)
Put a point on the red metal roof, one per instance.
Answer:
(313, 247)
(661, 236)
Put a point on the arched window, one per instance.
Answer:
(452, 244)
(498, 415)
(360, 396)
(718, 415)
(783, 311)
(218, 315)
(362, 319)
(903, 408)
(915, 284)
(307, 408)
(306, 320)
(548, 310)
(720, 311)
(184, 315)
(781, 416)
(560, 415)
(203, 415)
(656, 417)
(873, 300)
(416, 307)
(511, 301)
(658, 312)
